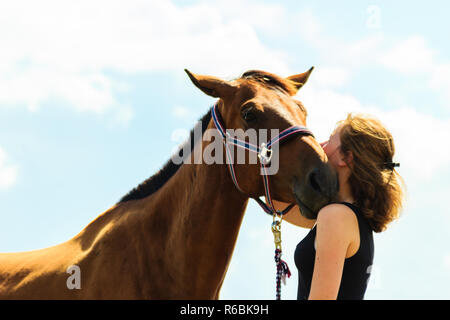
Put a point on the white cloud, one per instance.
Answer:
(413, 56)
(409, 127)
(410, 56)
(312, 30)
(330, 76)
(325, 107)
(326, 104)
(8, 171)
(61, 49)
(35, 85)
(440, 81)
(421, 156)
(360, 52)
(341, 59)
(338, 52)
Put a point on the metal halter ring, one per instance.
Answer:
(265, 154)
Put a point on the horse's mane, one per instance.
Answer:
(271, 80)
(156, 181)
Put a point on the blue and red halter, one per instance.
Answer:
(264, 154)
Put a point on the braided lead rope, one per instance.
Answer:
(282, 272)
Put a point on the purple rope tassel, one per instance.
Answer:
(282, 272)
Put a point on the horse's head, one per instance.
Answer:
(261, 100)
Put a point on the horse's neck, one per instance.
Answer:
(195, 219)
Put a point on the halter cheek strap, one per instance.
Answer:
(264, 153)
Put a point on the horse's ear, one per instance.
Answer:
(212, 86)
(300, 79)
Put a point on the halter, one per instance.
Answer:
(264, 153)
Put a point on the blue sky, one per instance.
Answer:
(93, 99)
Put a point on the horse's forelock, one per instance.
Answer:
(270, 80)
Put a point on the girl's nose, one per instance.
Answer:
(322, 144)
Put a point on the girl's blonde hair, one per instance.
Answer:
(375, 184)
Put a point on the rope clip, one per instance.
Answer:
(276, 230)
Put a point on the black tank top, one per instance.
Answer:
(357, 268)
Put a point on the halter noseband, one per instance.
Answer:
(264, 153)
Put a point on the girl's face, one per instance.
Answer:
(332, 149)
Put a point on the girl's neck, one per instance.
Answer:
(345, 192)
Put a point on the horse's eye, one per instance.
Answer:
(248, 115)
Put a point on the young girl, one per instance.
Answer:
(335, 259)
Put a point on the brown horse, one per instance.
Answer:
(172, 237)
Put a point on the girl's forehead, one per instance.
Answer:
(336, 131)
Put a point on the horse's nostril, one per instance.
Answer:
(313, 180)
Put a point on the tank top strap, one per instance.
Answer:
(355, 209)
(363, 223)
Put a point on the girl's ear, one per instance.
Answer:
(346, 160)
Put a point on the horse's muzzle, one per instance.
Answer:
(318, 188)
